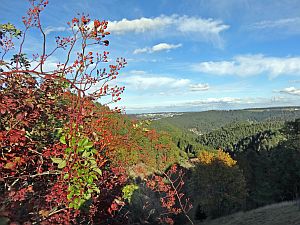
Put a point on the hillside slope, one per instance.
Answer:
(204, 122)
(285, 213)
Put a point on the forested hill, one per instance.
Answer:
(203, 122)
(229, 136)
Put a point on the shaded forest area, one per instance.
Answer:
(263, 143)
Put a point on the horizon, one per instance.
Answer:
(189, 55)
(238, 109)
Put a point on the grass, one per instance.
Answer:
(285, 213)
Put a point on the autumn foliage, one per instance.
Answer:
(218, 185)
(65, 157)
(209, 157)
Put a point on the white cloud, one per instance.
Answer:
(222, 103)
(141, 50)
(50, 64)
(291, 91)
(280, 23)
(199, 87)
(50, 29)
(250, 65)
(144, 83)
(277, 28)
(228, 100)
(157, 48)
(164, 47)
(140, 81)
(181, 105)
(206, 101)
(204, 29)
(137, 72)
(197, 25)
(139, 25)
(159, 83)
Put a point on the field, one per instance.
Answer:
(285, 213)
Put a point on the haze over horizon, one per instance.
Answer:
(190, 55)
(296, 108)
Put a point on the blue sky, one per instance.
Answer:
(190, 55)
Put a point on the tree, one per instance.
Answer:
(285, 164)
(217, 184)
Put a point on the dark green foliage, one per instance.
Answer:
(267, 150)
(185, 141)
(195, 131)
(270, 162)
(22, 60)
(205, 122)
(286, 158)
(229, 136)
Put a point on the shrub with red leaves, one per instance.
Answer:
(64, 158)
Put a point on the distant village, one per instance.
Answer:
(157, 116)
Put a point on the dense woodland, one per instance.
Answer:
(67, 158)
(210, 120)
(266, 154)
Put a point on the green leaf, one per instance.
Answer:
(81, 202)
(70, 188)
(98, 171)
(69, 196)
(90, 180)
(88, 196)
(89, 145)
(83, 142)
(68, 150)
(66, 176)
(63, 140)
(86, 154)
(73, 141)
(56, 160)
(80, 149)
(80, 171)
(80, 143)
(96, 189)
(128, 191)
(76, 200)
(62, 164)
(59, 130)
(93, 163)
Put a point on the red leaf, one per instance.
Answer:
(20, 116)
(3, 111)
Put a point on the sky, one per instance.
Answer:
(189, 55)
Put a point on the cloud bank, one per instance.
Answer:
(250, 65)
(291, 91)
(141, 80)
(206, 29)
(199, 87)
